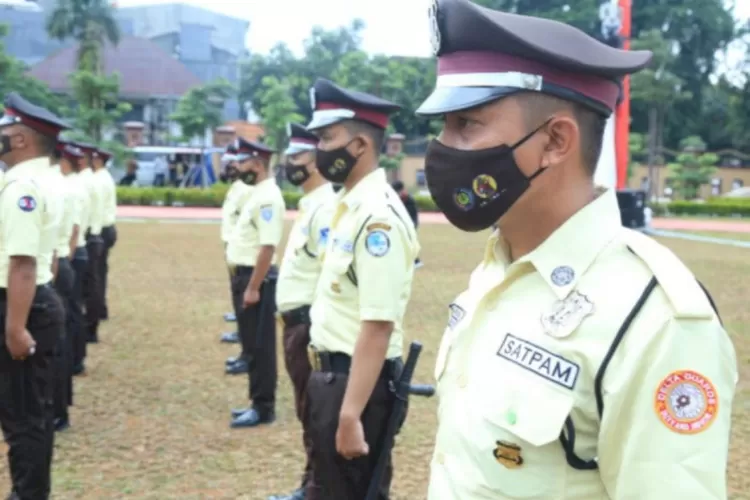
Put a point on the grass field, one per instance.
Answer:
(151, 418)
(725, 235)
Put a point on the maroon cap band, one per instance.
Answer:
(44, 128)
(493, 69)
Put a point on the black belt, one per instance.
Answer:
(298, 316)
(338, 362)
(240, 270)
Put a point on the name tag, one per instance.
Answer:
(346, 246)
(457, 313)
(540, 361)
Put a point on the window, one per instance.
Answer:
(737, 183)
(421, 179)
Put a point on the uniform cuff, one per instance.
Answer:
(377, 314)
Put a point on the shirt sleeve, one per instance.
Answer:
(384, 269)
(665, 428)
(22, 209)
(269, 219)
(96, 207)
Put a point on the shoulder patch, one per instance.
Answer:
(679, 284)
(266, 212)
(323, 236)
(377, 243)
(27, 203)
(378, 225)
(686, 402)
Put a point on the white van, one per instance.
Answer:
(146, 157)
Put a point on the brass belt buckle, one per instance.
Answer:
(233, 270)
(314, 358)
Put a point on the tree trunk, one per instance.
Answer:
(653, 142)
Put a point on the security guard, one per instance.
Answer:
(236, 197)
(299, 274)
(364, 286)
(79, 258)
(251, 255)
(584, 361)
(33, 315)
(92, 281)
(64, 156)
(108, 193)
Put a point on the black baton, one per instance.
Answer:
(423, 390)
(400, 389)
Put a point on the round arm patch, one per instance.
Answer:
(686, 402)
(27, 203)
(377, 243)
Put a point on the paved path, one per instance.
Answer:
(214, 214)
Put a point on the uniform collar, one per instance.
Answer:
(86, 171)
(266, 183)
(317, 194)
(567, 253)
(27, 168)
(353, 198)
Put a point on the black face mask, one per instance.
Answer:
(296, 174)
(476, 188)
(249, 177)
(335, 165)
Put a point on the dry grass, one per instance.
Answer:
(151, 418)
(719, 234)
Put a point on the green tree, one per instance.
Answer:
(693, 167)
(13, 78)
(91, 23)
(277, 107)
(98, 104)
(659, 89)
(201, 108)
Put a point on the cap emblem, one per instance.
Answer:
(435, 39)
(532, 82)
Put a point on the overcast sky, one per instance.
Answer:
(393, 27)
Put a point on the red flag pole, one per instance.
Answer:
(622, 116)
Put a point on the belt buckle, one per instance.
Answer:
(314, 358)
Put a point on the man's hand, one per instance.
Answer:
(350, 438)
(20, 345)
(250, 298)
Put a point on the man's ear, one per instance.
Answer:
(564, 134)
(359, 145)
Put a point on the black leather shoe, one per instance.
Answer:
(230, 317)
(62, 424)
(230, 338)
(251, 418)
(295, 495)
(233, 359)
(93, 339)
(237, 368)
(79, 369)
(236, 412)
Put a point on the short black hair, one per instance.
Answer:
(47, 144)
(376, 134)
(397, 186)
(591, 124)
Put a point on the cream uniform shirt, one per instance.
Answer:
(67, 208)
(24, 215)
(261, 223)
(236, 197)
(530, 360)
(53, 194)
(300, 268)
(108, 193)
(96, 203)
(372, 242)
(82, 201)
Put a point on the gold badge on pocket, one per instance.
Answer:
(508, 454)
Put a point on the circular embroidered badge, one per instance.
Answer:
(464, 199)
(484, 186)
(686, 402)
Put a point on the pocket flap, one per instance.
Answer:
(537, 416)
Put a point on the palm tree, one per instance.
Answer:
(91, 23)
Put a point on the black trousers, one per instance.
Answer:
(64, 283)
(26, 397)
(80, 264)
(256, 326)
(109, 235)
(92, 286)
